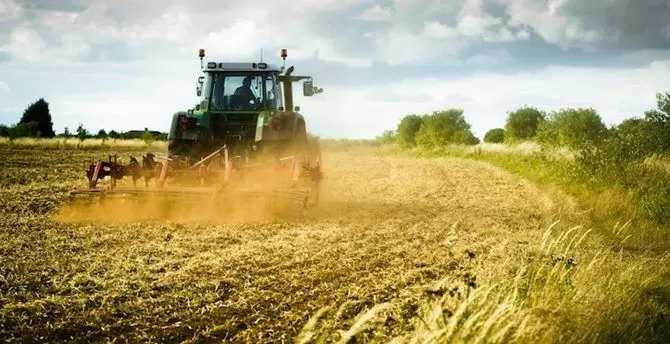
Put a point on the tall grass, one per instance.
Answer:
(568, 288)
(86, 144)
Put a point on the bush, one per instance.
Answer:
(496, 135)
(387, 137)
(444, 127)
(572, 128)
(407, 129)
(522, 124)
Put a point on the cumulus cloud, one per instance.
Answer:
(9, 10)
(338, 42)
(613, 24)
(376, 13)
(25, 43)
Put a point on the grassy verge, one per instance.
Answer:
(600, 273)
(86, 144)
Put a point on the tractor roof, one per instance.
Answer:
(239, 67)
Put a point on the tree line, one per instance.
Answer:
(621, 155)
(36, 122)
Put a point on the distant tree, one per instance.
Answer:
(113, 134)
(147, 136)
(39, 112)
(4, 130)
(388, 136)
(496, 135)
(101, 134)
(82, 133)
(572, 128)
(522, 123)
(443, 127)
(407, 129)
(66, 132)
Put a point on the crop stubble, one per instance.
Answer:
(388, 230)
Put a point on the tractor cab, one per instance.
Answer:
(236, 87)
(241, 104)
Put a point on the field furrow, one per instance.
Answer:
(389, 230)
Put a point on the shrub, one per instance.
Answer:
(389, 136)
(407, 129)
(442, 127)
(572, 128)
(496, 135)
(522, 124)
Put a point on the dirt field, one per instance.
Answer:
(397, 232)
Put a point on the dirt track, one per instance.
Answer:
(387, 229)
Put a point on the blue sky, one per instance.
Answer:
(128, 64)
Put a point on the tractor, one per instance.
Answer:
(244, 131)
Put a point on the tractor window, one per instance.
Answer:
(274, 98)
(237, 92)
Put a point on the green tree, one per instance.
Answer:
(407, 129)
(113, 134)
(4, 130)
(147, 137)
(66, 132)
(82, 133)
(102, 134)
(39, 112)
(572, 128)
(496, 135)
(443, 127)
(522, 124)
(388, 136)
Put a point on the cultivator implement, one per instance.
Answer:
(219, 177)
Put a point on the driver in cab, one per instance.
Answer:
(245, 93)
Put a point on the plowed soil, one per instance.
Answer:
(387, 230)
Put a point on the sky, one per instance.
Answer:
(127, 64)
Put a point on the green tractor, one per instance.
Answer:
(244, 131)
(246, 106)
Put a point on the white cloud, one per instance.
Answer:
(25, 43)
(4, 87)
(615, 93)
(9, 10)
(437, 30)
(376, 13)
(594, 24)
(475, 24)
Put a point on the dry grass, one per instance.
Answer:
(402, 249)
(74, 143)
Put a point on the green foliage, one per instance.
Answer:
(66, 132)
(26, 129)
(389, 136)
(113, 134)
(38, 112)
(496, 135)
(101, 134)
(407, 129)
(443, 127)
(621, 159)
(82, 133)
(572, 128)
(522, 124)
(147, 137)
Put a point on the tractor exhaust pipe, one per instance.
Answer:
(288, 89)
